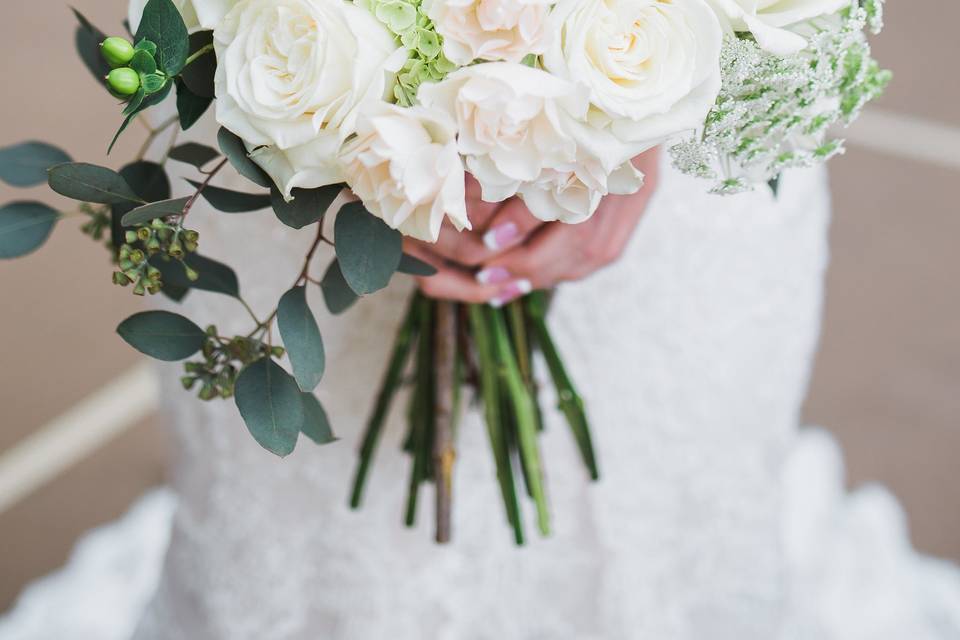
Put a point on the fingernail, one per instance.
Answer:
(500, 236)
(511, 292)
(493, 275)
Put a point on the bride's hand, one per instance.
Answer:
(510, 252)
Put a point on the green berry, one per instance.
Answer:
(125, 81)
(117, 51)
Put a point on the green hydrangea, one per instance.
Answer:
(407, 20)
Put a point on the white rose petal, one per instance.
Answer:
(490, 29)
(291, 75)
(652, 66)
(769, 20)
(404, 165)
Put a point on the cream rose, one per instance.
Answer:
(573, 195)
(404, 165)
(490, 29)
(291, 75)
(652, 66)
(769, 20)
(197, 14)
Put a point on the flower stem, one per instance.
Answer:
(445, 375)
(197, 54)
(422, 417)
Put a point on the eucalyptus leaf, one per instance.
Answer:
(163, 25)
(236, 151)
(233, 201)
(316, 424)
(190, 107)
(214, 276)
(368, 250)
(301, 337)
(271, 405)
(307, 206)
(26, 164)
(162, 335)
(87, 39)
(194, 153)
(149, 181)
(415, 266)
(337, 294)
(90, 183)
(198, 75)
(148, 212)
(24, 227)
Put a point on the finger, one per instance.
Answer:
(539, 264)
(510, 226)
(478, 211)
(449, 283)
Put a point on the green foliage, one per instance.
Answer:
(307, 206)
(193, 153)
(198, 75)
(162, 24)
(368, 250)
(211, 275)
(149, 181)
(26, 164)
(271, 406)
(147, 212)
(301, 336)
(87, 39)
(316, 425)
(24, 227)
(90, 183)
(222, 360)
(415, 266)
(337, 294)
(190, 106)
(236, 152)
(144, 104)
(162, 335)
(230, 201)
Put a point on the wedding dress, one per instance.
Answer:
(714, 519)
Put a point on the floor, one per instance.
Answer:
(885, 381)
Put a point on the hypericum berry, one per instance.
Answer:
(125, 81)
(117, 51)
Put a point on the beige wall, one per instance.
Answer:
(886, 380)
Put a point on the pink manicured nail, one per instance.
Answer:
(500, 236)
(511, 292)
(493, 275)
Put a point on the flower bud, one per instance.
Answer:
(125, 81)
(139, 289)
(143, 233)
(120, 279)
(116, 51)
(277, 352)
(130, 236)
(188, 382)
(192, 275)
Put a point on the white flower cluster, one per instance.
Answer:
(774, 111)
(546, 101)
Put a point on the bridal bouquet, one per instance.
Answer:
(366, 116)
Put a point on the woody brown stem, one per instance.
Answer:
(444, 453)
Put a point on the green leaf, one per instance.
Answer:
(24, 226)
(198, 75)
(368, 250)
(215, 277)
(301, 337)
(271, 406)
(26, 164)
(162, 24)
(175, 293)
(87, 39)
(153, 82)
(148, 212)
(337, 294)
(190, 107)
(149, 181)
(90, 183)
(149, 101)
(307, 206)
(146, 45)
(236, 151)
(194, 153)
(415, 266)
(233, 201)
(162, 335)
(316, 425)
(143, 62)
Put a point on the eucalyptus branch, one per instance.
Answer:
(203, 185)
(154, 134)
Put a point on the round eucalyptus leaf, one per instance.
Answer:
(271, 405)
(24, 227)
(236, 151)
(415, 266)
(301, 337)
(194, 153)
(26, 164)
(91, 183)
(229, 201)
(214, 276)
(316, 424)
(307, 206)
(337, 294)
(368, 250)
(162, 335)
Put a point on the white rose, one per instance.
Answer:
(519, 126)
(652, 66)
(769, 20)
(291, 75)
(404, 165)
(490, 29)
(573, 196)
(197, 14)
